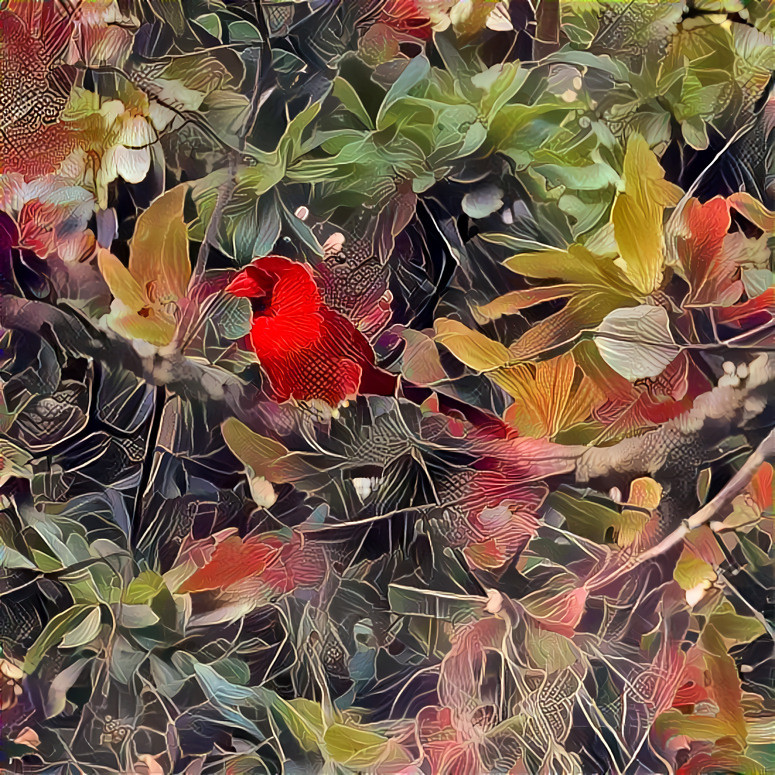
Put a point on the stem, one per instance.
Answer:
(547, 39)
(148, 458)
(715, 507)
(762, 454)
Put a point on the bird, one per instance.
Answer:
(307, 350)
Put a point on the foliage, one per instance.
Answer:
(327, 511)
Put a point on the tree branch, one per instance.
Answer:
(715, 507)
(191, 379)
(624, 562)
(690, 439)
(672, 454)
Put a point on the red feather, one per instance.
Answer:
(307, 350)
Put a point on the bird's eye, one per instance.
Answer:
(259, 304)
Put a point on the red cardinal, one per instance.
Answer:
(307, 350)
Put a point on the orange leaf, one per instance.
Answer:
(548, 397)
(710, 272)
(513, 302)
(233, 560)
(563, 327)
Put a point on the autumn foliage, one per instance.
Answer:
(386, 386)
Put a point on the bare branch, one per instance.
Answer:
(191, 379)
(716, 415)
(672, 453)
(716, 507)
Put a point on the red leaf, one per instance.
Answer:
(750, 313)
(405, 16)
(711, 273)
(233, 560)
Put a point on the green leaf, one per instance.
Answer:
(234, 317)
(290, 146)
(602, 62)
(499, 84)
(125, 660)
(349, 97)
(254, 181)
(14, 461)
(227, 697)
(258, 452)
(411, 601)
(243, 32)
(585, 517)
(85, 632)
(304, 720)
(172, 12)
(590, 177)
(54, 631)
(10, 558)
(254, 227)
(353, 746)
(416, 72)
(695, 132)
(734, 627)
(134, 616)
(211, 23)
(519, 130)
(512, 242)
(56, 696)
(144, 588)
(233, 670)
(580, 21)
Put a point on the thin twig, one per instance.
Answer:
(762, 454)
(715, 507)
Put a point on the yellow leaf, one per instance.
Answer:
(354, 746)
(256, 451)
(154, 326)
(637, 216)
(477, 351)
(14, 461)
(470, 16)
(547, 397)
(691, 570)
(726, 688)
(304, 719)
(515, 301)
(754, 211)
(645, 492)
(121, 283)
(158, 251)
(575, 265)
